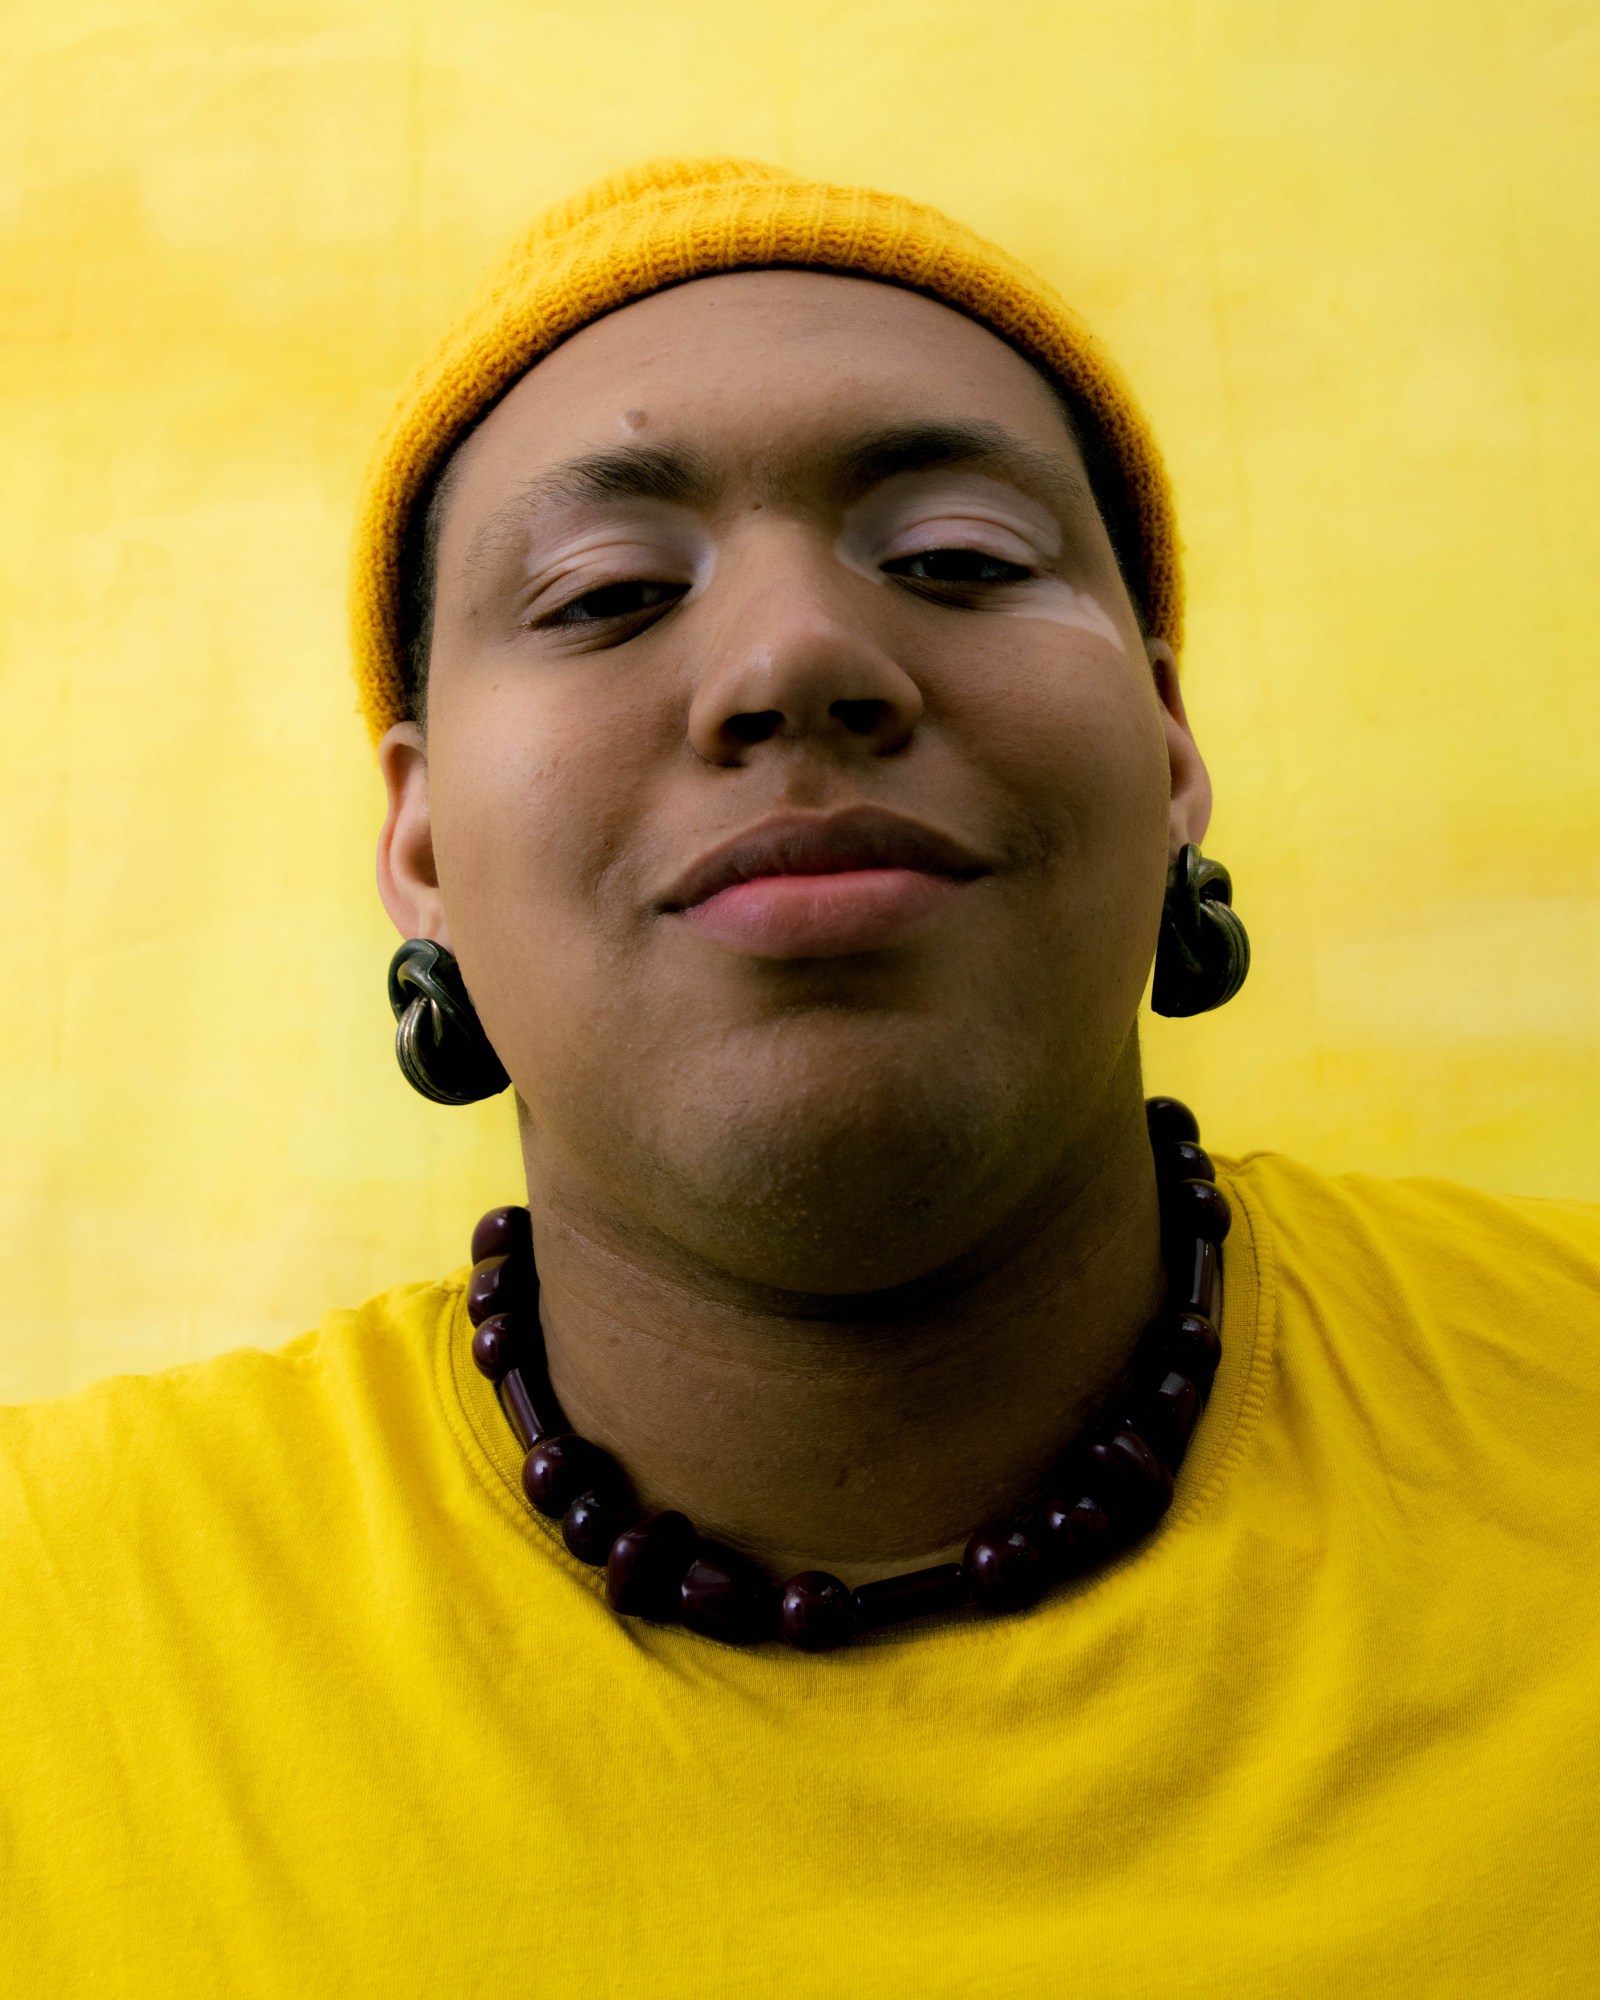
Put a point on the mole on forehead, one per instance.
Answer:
(681, 475)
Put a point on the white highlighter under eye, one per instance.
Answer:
(924, 511)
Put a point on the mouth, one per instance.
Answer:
(823, 885)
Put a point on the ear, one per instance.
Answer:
(1190, 812)
(408, 881)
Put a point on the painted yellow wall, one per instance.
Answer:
(1346, 252)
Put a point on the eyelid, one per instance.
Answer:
(552, 616)
(556, 618)
(896, 519)
(986, 537)
(574, 572)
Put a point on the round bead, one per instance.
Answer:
(1075, 1535)
(494, 1348)
(1184, 1162)
(1197, 1208)
(646, 1566)
(498, 1285)
(503, 1232)
(1003, 1568)
(1128, 1480)
(725, 1596)
(593, 1522)
(1188, 1343)
(1170, 1122)
(559, 1468)
(817, 1612)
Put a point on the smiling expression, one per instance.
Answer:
(797, 790)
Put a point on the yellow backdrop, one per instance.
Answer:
(1346, 253)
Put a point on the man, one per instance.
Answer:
(767, 613)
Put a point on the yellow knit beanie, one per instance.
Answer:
(660, 225)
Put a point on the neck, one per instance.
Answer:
(866, 1434)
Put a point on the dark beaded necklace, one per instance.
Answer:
(1105, 1493)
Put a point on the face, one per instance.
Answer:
(797, 791)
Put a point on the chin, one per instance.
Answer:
(852, 1177)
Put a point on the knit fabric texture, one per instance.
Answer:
(663, 224)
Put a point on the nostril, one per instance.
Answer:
(861, 718)
(754, 726)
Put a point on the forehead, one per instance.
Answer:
(758, 370)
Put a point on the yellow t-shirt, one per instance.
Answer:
(298, 1698)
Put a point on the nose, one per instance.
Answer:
(794, 659)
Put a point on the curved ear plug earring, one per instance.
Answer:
(439, 1041)
(1204, 952)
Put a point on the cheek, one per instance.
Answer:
(1071, 739)
(1068, 728)
(533, 816)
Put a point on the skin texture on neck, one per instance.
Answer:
(860, 1433)
(842, 1203)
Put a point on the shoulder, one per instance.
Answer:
(1439, 1326)
(200, 1565)
(133, 1451)
(1422, 1238)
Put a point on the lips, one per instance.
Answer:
(819, 886)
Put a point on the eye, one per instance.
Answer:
(612, 603)
(958, 566)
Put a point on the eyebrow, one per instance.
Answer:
(972, 446)
(684, 477)
(628, 472)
